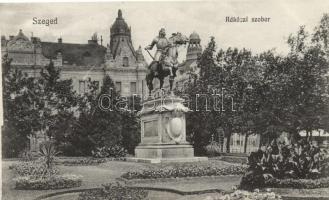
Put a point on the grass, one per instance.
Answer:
(93, 176)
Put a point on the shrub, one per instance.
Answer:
(53, 182)
(115, 151)
(191, 171)
(113, 192)
(287, 162)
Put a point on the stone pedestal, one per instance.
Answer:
(163, 132)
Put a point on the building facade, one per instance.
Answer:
(82, 62)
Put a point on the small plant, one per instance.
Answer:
(114, 191)
(213, 149)
(48, 153)
(115, 151)
(26, 155)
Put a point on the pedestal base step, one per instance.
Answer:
(164, 151)
(166, 160)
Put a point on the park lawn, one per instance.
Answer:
(93, 176)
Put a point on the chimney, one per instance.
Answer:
(60, 40)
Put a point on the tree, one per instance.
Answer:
(97, 127)
(308, 62)
(228, 104)
(54, 101)
(199, 133)
(18, 114)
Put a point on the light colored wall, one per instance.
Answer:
(238, 140)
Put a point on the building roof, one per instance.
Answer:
(20, 36)
(79, 54)
(195, 37)
(120, 27)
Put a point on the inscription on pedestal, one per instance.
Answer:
(150, 128)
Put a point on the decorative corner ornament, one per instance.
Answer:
(176, 107)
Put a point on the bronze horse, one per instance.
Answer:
(167, 60)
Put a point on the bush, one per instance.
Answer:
(114, 192)
(115, 151)
(191, 171)
(53, 182)
(302, 161)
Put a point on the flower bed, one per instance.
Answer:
(114, 192)
(180, 172)
(35, 168)
(298, 183)
(88, 161)
(53, 182)
(239, 194)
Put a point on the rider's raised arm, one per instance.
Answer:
(150, 47)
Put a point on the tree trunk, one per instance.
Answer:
(311, 135)
(228, 141)
(245, 142)
(261, 137)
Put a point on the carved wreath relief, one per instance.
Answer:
(174, 127)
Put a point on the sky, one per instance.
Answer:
(78, 21)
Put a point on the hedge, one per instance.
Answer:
(53, 182)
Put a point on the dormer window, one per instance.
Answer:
(125, 62)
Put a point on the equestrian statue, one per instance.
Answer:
(165, 61)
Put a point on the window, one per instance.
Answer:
(133, 88)
(125, 62)
(82, 87)
(118, 87)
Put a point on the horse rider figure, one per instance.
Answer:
(162, 45)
